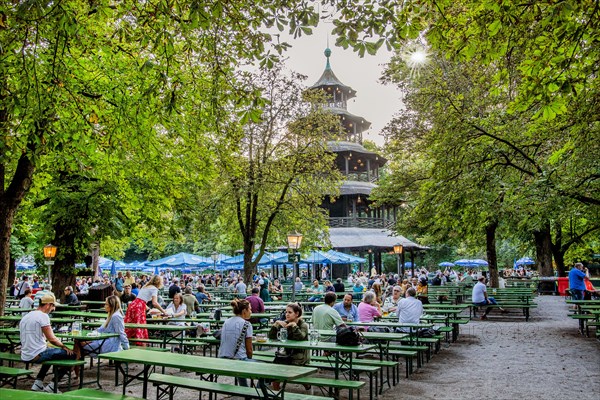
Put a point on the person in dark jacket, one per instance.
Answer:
(70, 297)
(339, 286)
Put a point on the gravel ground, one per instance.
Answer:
(501, 358)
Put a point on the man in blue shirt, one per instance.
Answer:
(576, 281)
(347, 310)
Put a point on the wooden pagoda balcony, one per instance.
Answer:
(361, 222)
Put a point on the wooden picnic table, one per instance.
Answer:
(85, 315)
(93, 302)
(380, 339)
(412, 328)
(16, 310)
(167, 333)
(586, 312)
(66, 307)
(342, 355)
(80, 394)
(202, 365)
(15, 319)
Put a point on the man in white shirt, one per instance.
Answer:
(241, 286)
(480, 298)
(27, 301)
(409, 309)
(35, 331)
(23, 286)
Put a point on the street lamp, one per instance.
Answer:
(398, 249)
(215, 257)
(49, 254)
(294, 240)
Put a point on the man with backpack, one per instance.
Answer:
(22, 287)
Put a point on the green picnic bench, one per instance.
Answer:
(371, 371)
(173, 382)
(10, 375)
(12, 358)
(525, 307)
(68, 364)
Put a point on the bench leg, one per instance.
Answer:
(81, 376)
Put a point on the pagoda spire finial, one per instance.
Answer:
(327, 53)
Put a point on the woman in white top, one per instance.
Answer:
(177, 310)
(136, 312)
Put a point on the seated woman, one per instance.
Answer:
(369, 308)
(328, 286)
(376, 288)
(114, 324)
(297, 329)
(177, 310)
(276, 290)
(236, 337)
(423, 291)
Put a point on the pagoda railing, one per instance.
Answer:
(361, 177)
(337, 104)
(361, 222)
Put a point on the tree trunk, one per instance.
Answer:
(95, 258)
(490, 243)
(6, 218)
(249, 266)
(10, 199)
(63, 270)
(557, 251)
(543, 249)
(12, 270)
(559, 259)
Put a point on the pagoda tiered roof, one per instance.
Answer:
(329, 82)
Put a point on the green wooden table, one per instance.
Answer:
(85, 315)
(12, 394)
(341, 356)
(412, 328)
(167, 333)
(14, 319)
(201, 365)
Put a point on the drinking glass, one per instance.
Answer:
(282, 335)
(76, 330)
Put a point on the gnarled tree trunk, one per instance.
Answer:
(543, 250)
(490, 244)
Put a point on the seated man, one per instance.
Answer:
(390, 304)
(409, 309)
(347, 310)
(324, 316)
(127, 296)
(317, 291)
(35, 330)
(70, 297)
(257, 305)
(480, 297)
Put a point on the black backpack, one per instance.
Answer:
(348, 336)
(218, 314)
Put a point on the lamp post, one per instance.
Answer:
(398, 250)
(215, 257)
(294, 240)
(49, 254)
